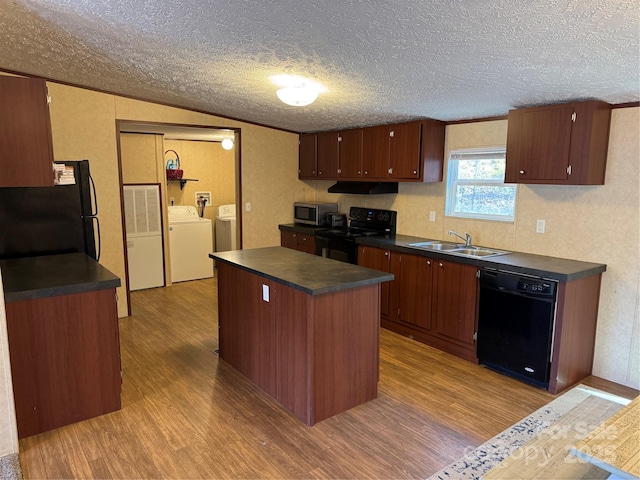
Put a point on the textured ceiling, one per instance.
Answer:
(381, 60)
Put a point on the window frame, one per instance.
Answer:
(453, 182)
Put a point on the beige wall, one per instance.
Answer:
(83, 123)
(596, 224)
(8, 429)
(139, 154)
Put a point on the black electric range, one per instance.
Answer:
(340, 243)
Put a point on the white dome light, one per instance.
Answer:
(297, 91)
(227, 144)
(297, 96)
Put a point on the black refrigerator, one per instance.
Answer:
(53, 220)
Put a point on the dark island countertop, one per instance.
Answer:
(309, 273)
(30, 278)
(553, 268)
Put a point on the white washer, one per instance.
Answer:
(226, 228)
(190, 243)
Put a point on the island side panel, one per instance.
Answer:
(346, 332)
(293, 348)
(246, 325)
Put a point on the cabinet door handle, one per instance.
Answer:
(386, 254)
(359, 172)
(366, 173)
(522, 172)
(441, 265)
(415, 172)
(428, 262)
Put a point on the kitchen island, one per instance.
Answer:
(303, 328)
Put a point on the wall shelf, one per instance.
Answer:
(182, 181)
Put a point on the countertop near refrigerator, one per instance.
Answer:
(32, 278)
(64, 347)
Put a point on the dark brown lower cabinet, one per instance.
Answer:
(436, 302)
(410, 295)
(432, 301)
(298, 241)
(65, 359)
(315, 354)
(455, 302)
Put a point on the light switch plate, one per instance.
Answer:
(247, 206)
(265, 292)
(432, 216)
(540, 224)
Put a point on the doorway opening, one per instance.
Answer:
(197, 175)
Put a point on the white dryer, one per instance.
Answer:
(190, 243)
(226, 228)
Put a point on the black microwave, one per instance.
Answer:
(313, 213)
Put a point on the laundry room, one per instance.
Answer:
(196, 184)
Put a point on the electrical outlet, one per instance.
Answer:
(247, 206)
(540, 224)
(265, 292)
(432, 216)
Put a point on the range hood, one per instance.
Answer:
(364, 188)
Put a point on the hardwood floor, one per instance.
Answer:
(185, 414)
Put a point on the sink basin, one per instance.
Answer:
(477, 252)
(435, 245)
(457, 249)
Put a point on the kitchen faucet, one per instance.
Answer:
(467, 240)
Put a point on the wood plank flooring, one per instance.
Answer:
(185, 414)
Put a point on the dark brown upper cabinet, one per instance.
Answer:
(412, 151)
(338, 154)
(404, 150)
(564, 144)
(25, 133)
(307, 160)
(327, 154)
(350, 154)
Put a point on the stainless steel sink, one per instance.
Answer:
(477, 252)
(435, 245)
(459, 250)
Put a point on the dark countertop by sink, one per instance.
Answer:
(309, 273)
(560, 269)
(30, 278)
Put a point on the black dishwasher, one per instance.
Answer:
(515, 325)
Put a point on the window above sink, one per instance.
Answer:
(475, 185)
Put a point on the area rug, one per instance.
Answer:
(10, 467)
(478, 462)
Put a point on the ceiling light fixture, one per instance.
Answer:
(227, 144)
(297, 96)
(297, 91)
